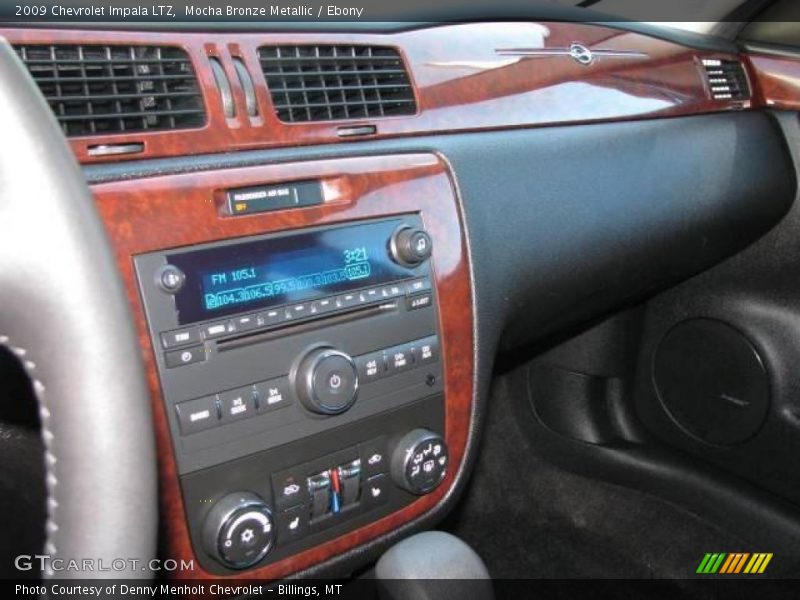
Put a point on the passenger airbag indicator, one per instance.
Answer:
(263, 198)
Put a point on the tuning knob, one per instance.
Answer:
(419, 461)
(410, 246)
(238, 531)
(327, 381)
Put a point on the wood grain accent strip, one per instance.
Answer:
(462, 83)
(777, 80)
(181, 210)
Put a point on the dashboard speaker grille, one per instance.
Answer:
(324, 83)
(726, 79)
(96, 90)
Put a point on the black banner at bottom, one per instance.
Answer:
(711, 588)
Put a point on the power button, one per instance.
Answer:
(170, 279)
(334, 381)
(327, 381)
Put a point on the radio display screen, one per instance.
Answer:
(241, 277)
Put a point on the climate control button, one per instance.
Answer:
(419, 461)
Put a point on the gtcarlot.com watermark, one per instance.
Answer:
(44, 562)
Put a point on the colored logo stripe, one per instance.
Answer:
(734, 563)
(710, 563)
(758, 563)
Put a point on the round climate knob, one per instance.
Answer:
(327, 381)
(238, 531)
(419, 461)
(410, 246)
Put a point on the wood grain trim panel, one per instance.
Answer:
(180, 210)
(461, 81)
(776, 79)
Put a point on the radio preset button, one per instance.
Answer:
(296, 311)
(273, 394)
(186, 356)
(271, 317)
(215, 330)
(347, 300)
(323, 306)
(197, 415)
(246, 322)
(371, 295)
(180, 337)
(237, 404)
(392, 291)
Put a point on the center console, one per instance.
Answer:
(302, 379)
(310, 361)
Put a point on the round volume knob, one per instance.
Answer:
(238, 531)
(419, 461)
(410, 246)
(170, 279)
(327, 381)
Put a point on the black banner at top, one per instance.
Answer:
(255, 12)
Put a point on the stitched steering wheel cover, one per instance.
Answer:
(64, 313)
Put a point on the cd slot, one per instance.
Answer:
(257, 337)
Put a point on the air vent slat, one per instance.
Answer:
(335, 104)
(340, 72)
(68, 98)
(127, 115)
(726, 79)
(106, 89)
(333, 82)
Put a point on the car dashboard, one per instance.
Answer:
(324, 251)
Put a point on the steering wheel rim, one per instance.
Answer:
(64, 313)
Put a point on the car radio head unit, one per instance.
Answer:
(228, 279)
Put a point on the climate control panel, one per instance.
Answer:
(278, 508)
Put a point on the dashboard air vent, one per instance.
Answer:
(116, 89)
(726, 79)
(324, 83)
